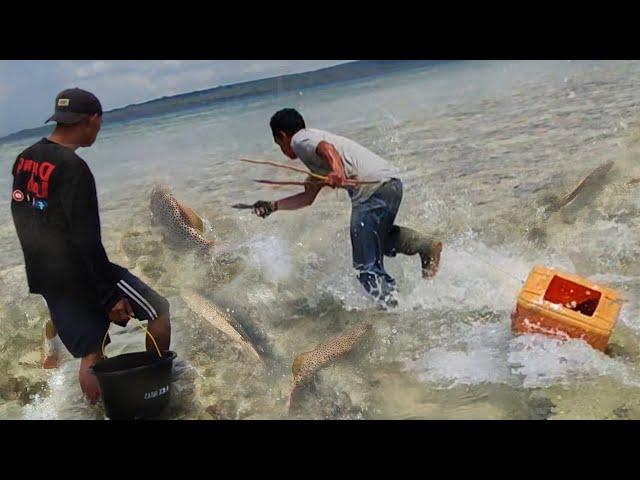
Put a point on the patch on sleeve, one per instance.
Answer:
(17, 195)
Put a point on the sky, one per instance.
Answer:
(28, 87)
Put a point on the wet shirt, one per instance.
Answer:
(55, 211)
(359, 162)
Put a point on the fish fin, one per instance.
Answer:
(253, 351)
(191, 217)
(291, 402)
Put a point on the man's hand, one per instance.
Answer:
(336, 179)
(264, 209)
(121, 311)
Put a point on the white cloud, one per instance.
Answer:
(92, 69)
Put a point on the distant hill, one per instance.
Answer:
(267, 86)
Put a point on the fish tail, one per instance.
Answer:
(292, 399)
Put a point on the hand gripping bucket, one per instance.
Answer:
(135, 385)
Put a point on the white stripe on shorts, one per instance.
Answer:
(139, 299)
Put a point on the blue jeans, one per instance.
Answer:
(371, 227)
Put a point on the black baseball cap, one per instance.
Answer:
(74, 105)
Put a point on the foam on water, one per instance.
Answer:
(476, 355)
(270, 255)
(474, 276)
(489, 353)
(65, 399)
(541, 361)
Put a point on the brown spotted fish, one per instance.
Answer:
(182, 224)
(221, 320)
(307, 364)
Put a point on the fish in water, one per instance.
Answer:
(221, 320)
(307, 364)
(593, 179)
(183, 225)
(552, 203)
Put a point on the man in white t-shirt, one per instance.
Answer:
(375, 193)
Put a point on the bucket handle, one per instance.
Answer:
(141, 326)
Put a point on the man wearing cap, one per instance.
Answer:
(55, 211)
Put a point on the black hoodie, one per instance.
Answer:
(55, 211)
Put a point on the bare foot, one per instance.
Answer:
(432, 268)
(51, 353)
(51, 361)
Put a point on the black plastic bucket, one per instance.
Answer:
(135, 385)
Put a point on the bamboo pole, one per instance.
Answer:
(349, 182)
(276, 182)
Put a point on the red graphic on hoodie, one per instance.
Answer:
(38, 185)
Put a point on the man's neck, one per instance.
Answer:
(62, 139)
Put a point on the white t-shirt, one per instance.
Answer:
(359, 163)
